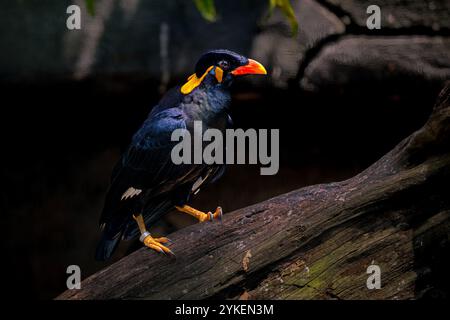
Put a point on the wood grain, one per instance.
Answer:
(316, 242)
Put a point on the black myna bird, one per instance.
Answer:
(145, 183)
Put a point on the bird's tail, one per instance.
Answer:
(107, 246)
(114, 218)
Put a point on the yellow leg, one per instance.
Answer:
(148, 240)
(200, 215)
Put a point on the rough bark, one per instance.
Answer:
(396, 14)
(275, 46)
(335, 49)
(316, 242)
(360, 62)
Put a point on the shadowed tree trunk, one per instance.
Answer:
(315, 242)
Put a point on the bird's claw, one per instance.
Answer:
(217, 215)
(157, 244)
(163, 240)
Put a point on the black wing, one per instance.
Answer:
(146, 166)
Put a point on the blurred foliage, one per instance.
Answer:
(90, 7)
(288, 11)
(208, 11)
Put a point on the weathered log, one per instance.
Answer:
(316, 242)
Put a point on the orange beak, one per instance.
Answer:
(252, 67)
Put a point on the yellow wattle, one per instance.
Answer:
(193, 82)
(219, 74)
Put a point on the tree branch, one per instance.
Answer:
(315, 242)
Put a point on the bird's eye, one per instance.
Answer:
(224, 64)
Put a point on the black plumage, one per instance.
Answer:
(146, 166)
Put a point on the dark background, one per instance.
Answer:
(62, 134)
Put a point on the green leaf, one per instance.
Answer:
(207, 9)
(90, 5)
(272, 4)
(288, 11)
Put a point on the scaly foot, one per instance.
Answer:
(216, 215)
(156, 243)
(200, 215)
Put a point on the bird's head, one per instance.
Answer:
(221, 67)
